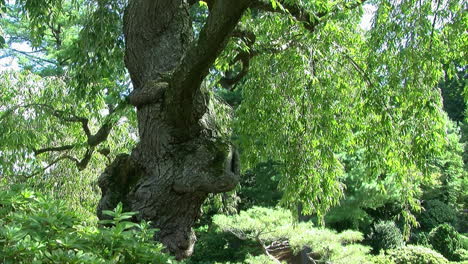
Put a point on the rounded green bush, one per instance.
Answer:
(435, 214)
(385, 235)
(415, 255)
(446, 240)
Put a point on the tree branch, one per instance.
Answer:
(229, 82)
(63, 157)
(83, 163)
(61, 148)
(208, 2)
(248, 37)
(29, 55)
(265, 249)
(310, 20)
(92, 140)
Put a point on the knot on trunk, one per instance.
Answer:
(213, 167)
(152, 92)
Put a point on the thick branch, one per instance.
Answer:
(248, 37)
(265, 250)
(229, 82)
(55, 161)
(309, 19)
(187, 79)
(85, 160)
(100, 136)
(60, 114)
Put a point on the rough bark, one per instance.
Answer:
(181, 156)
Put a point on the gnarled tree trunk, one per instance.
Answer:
(181, 156)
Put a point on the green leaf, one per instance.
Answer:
(274, 4)
(203, 3)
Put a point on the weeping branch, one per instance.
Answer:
(309, 19)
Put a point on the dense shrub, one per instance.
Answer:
(435, 214)
(37, 229)
(385, 235)
(415, 255)
(446, 240)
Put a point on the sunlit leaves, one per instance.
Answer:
(341, 90)
(97, 54)
(299, 111)
(80, 37)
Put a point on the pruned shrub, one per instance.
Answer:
(446, 240)
(415, 254)
(385, 235)
(268, 226)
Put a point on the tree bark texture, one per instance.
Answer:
(181, 155)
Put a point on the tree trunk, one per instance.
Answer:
(181, 156)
